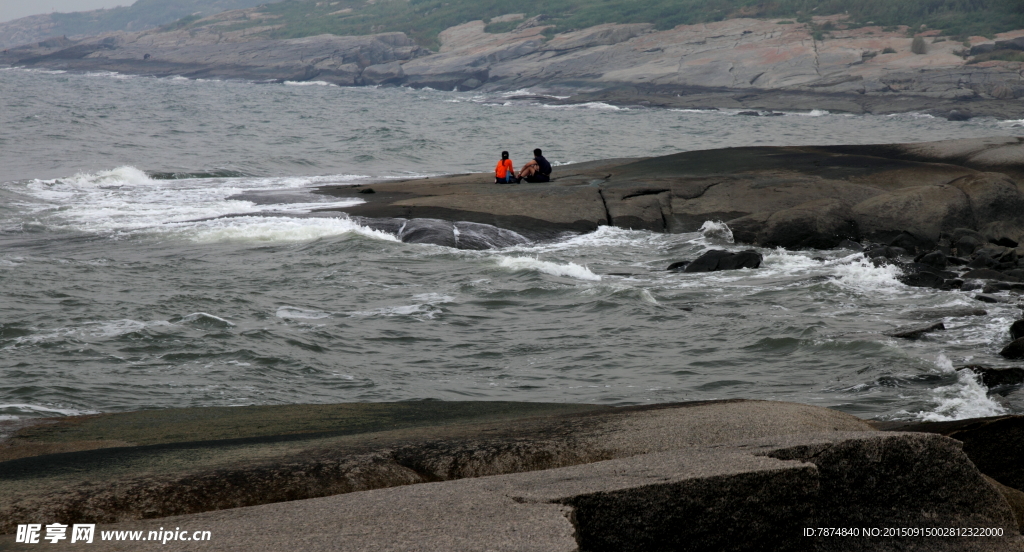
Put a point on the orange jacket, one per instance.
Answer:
(503, 166)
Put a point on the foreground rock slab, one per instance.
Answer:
(754, 495)
(296, 453)
(718, 475)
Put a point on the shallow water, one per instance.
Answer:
(121, 289)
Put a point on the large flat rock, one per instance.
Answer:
(743, 495)
(288, 453)
(771, 196)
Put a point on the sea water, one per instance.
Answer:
(157, 251)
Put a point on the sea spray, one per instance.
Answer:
(967, 398)
(568, 270)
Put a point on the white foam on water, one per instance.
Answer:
(426, 307)
(528, 92)
(205, 317)
(717, 230)
(910, 115)
(694, 110)
(126, 199)
(646, 297)
(602, 238)
(37, 409)
(308, 83)
(290, 313)
(426, 310)
(967, 398)
(588, 105)
(433, 298)
(90, 330)
(788, 262)
(1011, 123)
(568, 270)
(271, 229)
(858, 273)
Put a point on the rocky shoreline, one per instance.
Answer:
(718, 475)
(914, 196)
(756, 65)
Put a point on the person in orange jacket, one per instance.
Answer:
(504, 172)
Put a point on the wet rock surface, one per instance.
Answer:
(915, 332)
(995, 377)
(718, 259)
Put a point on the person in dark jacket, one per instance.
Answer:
(537, 169)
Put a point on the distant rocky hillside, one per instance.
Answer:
(740, 63)
(424, 20)
(142, 15)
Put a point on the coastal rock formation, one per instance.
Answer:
(718, 259)
(338, 59)
(718, 475)
(906, 199)
(736, 63)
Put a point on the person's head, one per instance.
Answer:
(537, 152)
(504, 155)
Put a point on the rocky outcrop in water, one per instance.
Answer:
(718, 259)
(459, 234)
(961, 195)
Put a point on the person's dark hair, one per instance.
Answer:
(504, 155)
(536, 151)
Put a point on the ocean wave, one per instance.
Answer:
(568, 270)
(588, 105)
(296, 313)
(910, 115)
(308, 83)
(271, 229)
(127, 199)
(967, 398)
(857, 272)
(602, 238)
(89, 331)
(426, 308)
(718, 231)
(20, 410)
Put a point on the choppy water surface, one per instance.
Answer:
(121, 289)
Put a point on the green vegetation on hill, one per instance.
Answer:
(143, 14)
(424, 19)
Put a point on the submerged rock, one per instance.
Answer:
(952, 312)
(718, 259)
(916, 331)
(459, 235)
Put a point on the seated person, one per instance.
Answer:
(537, 169)
(504, 173)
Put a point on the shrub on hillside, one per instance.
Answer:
(918, 46)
